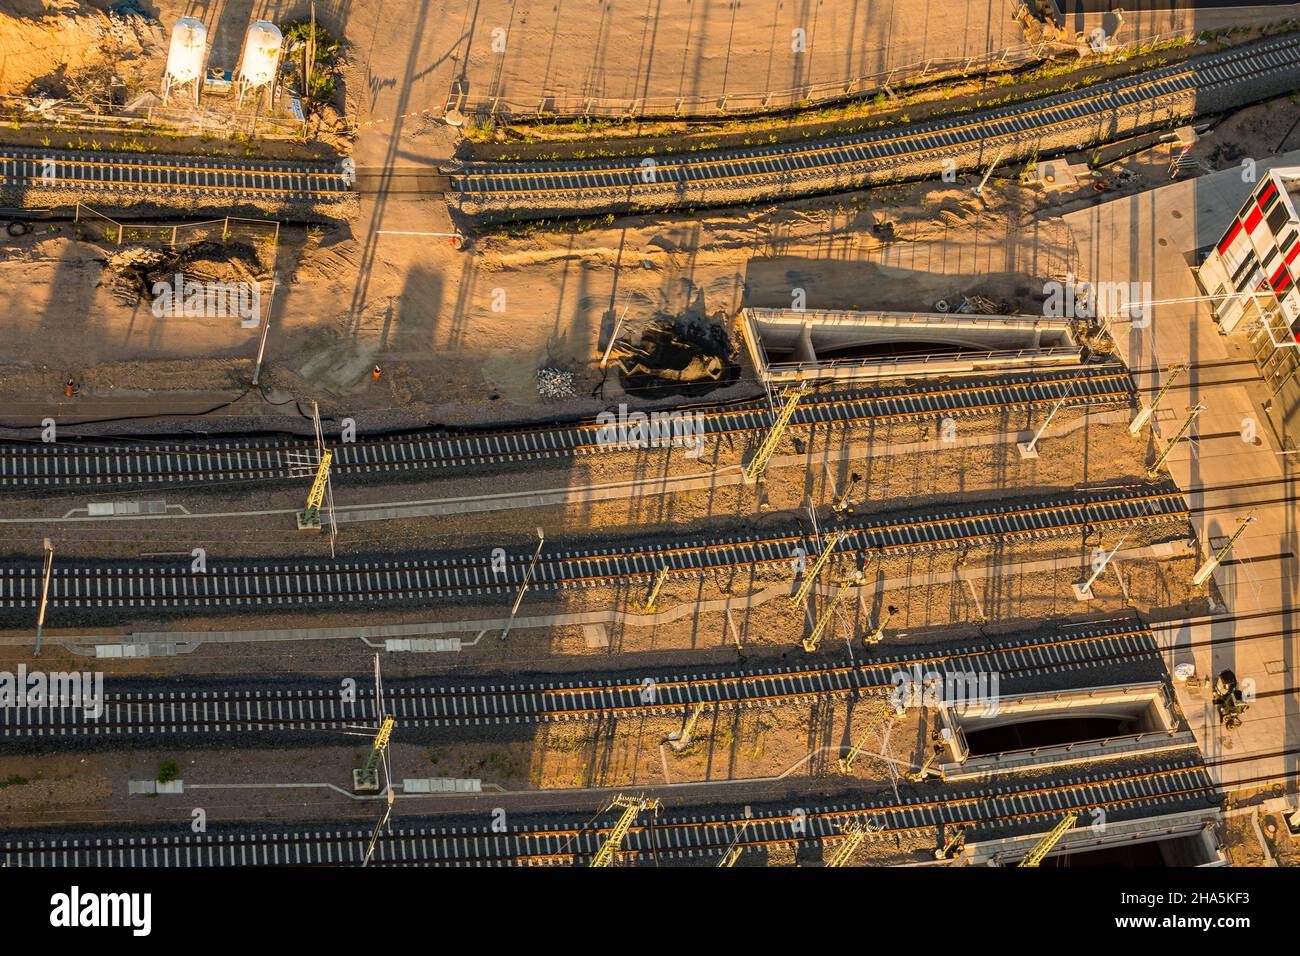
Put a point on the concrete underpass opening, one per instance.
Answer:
(1046, 733)
(1025, 731)
(1194, 850)
(786, 345)
(1188, 839)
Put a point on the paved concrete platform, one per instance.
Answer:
(1154, 237)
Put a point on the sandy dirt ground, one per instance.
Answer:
(1086, 452)
(461, 335)
(768, 632)
(408, 55)
(799, 743)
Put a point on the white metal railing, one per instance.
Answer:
(1008, 355)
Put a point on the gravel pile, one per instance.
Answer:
(553, 383)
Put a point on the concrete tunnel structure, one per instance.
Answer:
(786, 345)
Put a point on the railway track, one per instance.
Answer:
(718, 171)
(1172, 786)
(263, 710)
(422, 578)
(103, 464)
(162, 175)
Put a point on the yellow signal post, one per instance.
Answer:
(1044, 846)
(631, 807)
(309, 517)
(881, 713)
(810, 578)
(823, 621)
(758, 464)
(367, 778)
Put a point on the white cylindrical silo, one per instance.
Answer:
(261, 54)
(186, 54)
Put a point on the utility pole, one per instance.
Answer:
(324, 458)
(1186, 426)
(367, 777)
(1029, 449)
(877, 633)
(810, 577)
(917, 776)
(45, 593)
(979, 190)
(840, 504)
(631, 806)
(655, 588)
(812, 640)
(1210, 565)
(309, 517)
(383, 822)
(758, 464)
(528, 577)
(1142, 417)
(1044, 846)
(881, 714)
(1083, 589)
(733, 852)
(854, 833)
(266, 328)
(604, 359)
(681, 739)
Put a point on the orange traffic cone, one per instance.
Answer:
(70, 388)
(375, 373)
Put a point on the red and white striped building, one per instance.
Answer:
(1251, 271)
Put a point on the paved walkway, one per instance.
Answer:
(1153, 237)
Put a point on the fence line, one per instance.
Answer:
(570, 106)
(194, 121)
(189, 231)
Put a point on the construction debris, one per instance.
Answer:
(132, 273)
(554, 383)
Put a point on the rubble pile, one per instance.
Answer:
(554, 383)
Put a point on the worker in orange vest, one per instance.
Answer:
(70, 388)
(375, 373)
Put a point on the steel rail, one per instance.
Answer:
(861, 152)
(1179, 785)
(422, 577)
(144, 462)
(127, 711)
(27, 168)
